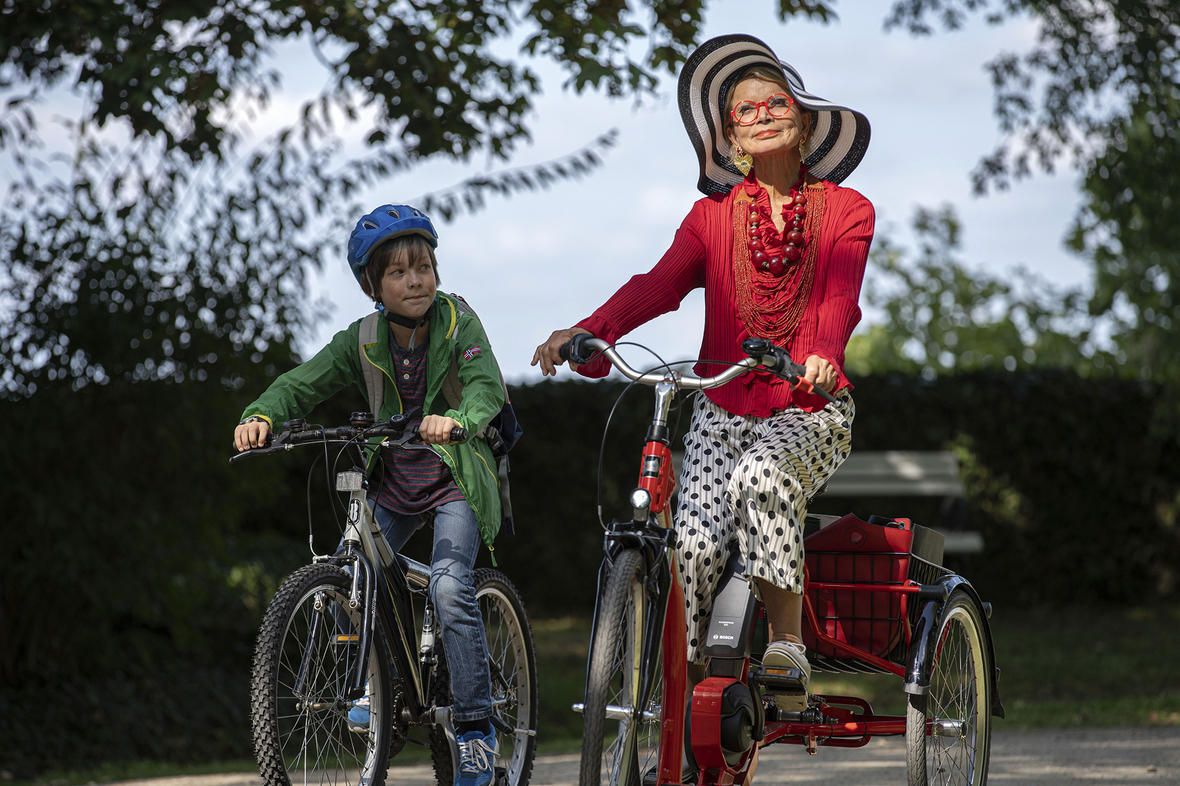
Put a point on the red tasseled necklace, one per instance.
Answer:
(773, 285)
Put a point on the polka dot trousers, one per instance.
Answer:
(748, 480)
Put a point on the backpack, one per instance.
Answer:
(502, 432)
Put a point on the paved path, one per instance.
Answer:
(1037, 757)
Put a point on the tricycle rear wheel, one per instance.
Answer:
(948, 731)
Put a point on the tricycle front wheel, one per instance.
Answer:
(621, 735)
(948, 731)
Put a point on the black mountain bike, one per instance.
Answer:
(342, 630)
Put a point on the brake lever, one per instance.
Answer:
(412, 439)
(807, 386)
(270, 449)
(409, 440)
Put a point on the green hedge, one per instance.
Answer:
(135, 562)
(1072, 482)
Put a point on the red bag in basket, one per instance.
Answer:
(853, 551)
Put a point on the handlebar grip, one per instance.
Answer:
(572, 351)
(270, 435)
(458, 434)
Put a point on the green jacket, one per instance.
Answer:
(452, 334)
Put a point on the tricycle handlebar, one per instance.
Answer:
(762, 354)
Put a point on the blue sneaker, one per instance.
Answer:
(477, 759)
(358, 716)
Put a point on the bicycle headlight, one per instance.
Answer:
(640, 505)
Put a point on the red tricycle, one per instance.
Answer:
(877, 600)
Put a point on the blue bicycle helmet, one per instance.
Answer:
(384, 223)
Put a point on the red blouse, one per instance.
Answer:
(702, 256)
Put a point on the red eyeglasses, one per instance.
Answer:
(746, 113)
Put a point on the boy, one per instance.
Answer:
(391, 253)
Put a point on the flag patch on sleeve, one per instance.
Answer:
(470, 353)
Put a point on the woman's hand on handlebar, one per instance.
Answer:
(251, 435)
(820, 373)
(548, 353)
(436, 429)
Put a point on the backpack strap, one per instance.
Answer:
(452, 388)
(374, 379)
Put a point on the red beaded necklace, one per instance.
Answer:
(795, 213)
(773, 287)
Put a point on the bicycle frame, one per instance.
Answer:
(383, 582)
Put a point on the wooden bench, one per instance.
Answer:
(899, 473)
(906, 473)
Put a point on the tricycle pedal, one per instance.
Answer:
(780, 680)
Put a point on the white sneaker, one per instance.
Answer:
(784, 655)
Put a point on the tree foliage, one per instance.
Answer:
(155, 242)
(1063, 97)
(150, 237)
(1099, 89)
(1128, 226)
(943, 316)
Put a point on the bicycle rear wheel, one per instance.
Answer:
(513, 666)
(620, 740)
(948, 731)
(306, 650)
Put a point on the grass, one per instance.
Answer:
(1059, 667)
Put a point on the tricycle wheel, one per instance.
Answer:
(948, 731)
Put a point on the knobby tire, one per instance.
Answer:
(300, 722)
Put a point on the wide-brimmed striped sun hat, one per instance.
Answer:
(838, 139)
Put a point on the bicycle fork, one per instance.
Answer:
(361, 596)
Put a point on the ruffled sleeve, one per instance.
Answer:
(839, 313)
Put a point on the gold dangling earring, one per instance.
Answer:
(802, 144)
(743, 161)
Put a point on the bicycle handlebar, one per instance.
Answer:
(761, 353)
(298, 433)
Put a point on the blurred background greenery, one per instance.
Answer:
(153, 289)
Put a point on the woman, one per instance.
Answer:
(780, 250)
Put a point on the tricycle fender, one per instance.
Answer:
(924, 642)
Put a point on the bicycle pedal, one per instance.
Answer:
(779, 680)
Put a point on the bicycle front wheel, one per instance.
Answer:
(948, 731)
(306, 650)
(621, 731)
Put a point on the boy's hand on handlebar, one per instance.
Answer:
(436, 429)
(820, 373)
(548, 353)
(251, 435)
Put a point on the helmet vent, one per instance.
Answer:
(393, 213)
(370, 225)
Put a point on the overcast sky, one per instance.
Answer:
(541, 261)
(537, 262)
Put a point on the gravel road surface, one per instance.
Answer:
(1035, 757)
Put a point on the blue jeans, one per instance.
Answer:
(452, 591)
